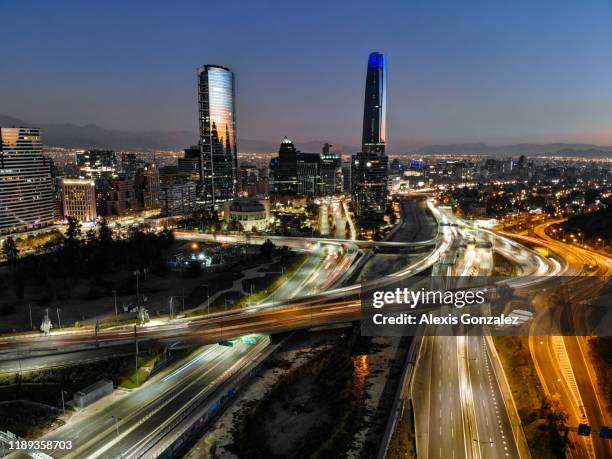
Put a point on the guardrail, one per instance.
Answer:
(401, 396)
(177, 434)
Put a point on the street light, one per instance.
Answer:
(116, 419)
(116, 313)
(207, 298)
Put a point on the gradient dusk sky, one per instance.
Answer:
(459, 71)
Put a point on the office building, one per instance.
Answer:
(308, 178)
(217, 121)
(330, 169)
(95, 164)
(146, 187)
(369, 168)
(79, 199)
(284, 169)
(26, 187)
(178, 198)
(190, 163)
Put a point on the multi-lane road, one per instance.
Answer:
(562, 363)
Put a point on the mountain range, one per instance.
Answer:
(93, 136)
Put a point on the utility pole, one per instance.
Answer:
(207, 298)
(59, 322)
(136, 355)
(116, 313)
(183, 300)
(137, 287)
(63, 402)
(30, 309)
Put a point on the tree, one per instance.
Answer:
(105, 234)
(73, 232)
(267, 248)
(92, 237)
(10, 251)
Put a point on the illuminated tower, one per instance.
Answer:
(375, 104)
(369, 168)
(217, 119)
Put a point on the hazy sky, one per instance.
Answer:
(459, 71)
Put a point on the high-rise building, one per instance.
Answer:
(178, 198)
(331, 170)
(146, 185)
(79, 199)
(285, 169)
(374, 135)
(26, 187)
(217, 119)
(190, 163)
(308, 177)
(369, 168)
(96, 164)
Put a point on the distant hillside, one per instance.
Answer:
(93, 136)
(528, 149)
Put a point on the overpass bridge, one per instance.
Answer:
(298, 242)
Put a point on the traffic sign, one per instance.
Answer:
(584, 430)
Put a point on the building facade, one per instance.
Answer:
(332, 179)
(146, 187)
(26, 187)
(96, 164)
(217, 121)
(251, 213)
(285, 169)
(369, 168)
(308, 178)
(79, 199)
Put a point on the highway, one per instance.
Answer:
(459, 406)
(461, 394)
(131, 425)
(336, 304)
(573, 382)
(122, 427)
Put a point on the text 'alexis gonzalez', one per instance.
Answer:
(413, 298)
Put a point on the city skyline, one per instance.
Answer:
(532, 73)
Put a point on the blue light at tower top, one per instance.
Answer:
(376, 60)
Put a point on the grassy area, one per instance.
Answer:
(261, 291)
(28, 419)
(131, 379)
(600, 350)
(503, 267)
(262, 287)
(403, 444)
(542, 420)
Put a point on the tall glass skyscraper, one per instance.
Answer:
(217, 118)
(369, 168)
(26, 188)
(375, 103)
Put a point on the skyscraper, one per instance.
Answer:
(285, 169)
(369, 168)
(217, 119)
(79, 199)
(26, 188)
(331, 170)
(374, 106)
